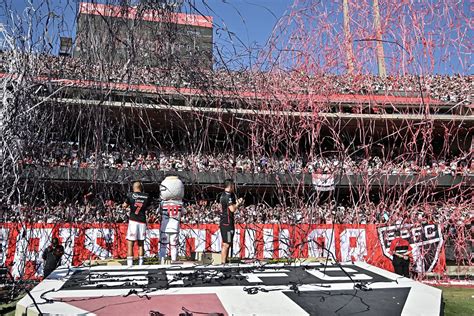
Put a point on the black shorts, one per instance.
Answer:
(227, 233)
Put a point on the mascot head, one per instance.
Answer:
(171, 188)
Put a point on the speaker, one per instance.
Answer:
(211, 258)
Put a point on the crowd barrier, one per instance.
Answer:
(22, 245)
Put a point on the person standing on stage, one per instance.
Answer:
(401, 250)
(230, 204)
(52, 257)
(138, 201)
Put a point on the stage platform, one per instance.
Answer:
(237, 289)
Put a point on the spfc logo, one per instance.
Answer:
(426, 241)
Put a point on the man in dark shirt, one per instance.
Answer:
(138, 201)
(52, 257)
(401, 251)
(230, 204)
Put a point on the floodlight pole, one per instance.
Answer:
(348, 37)
(378, 36)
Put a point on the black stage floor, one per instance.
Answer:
(161, 278)
(377, 302)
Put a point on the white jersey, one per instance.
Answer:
(171, 212)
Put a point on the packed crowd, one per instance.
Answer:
(206, 212)
(328, 214)
(453, 88)
(64, 213)
(65, 155)
(445, 88)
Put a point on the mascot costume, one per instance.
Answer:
(171, 208)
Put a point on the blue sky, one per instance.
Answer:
(251, 20)
(241, 27)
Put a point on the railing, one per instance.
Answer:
(203, 178)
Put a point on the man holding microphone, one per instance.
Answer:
(230, 204)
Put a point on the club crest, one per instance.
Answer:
(426, 241)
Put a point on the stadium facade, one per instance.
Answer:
(160, 94)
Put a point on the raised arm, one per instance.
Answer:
(234, 207)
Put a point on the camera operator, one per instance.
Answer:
(401, 252)
(52, 257)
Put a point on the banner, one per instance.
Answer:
(22, 245)
(323, 181)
